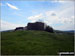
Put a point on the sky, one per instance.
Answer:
(58, 14)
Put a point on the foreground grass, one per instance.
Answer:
(35, 43)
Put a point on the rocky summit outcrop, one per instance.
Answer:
(40, 26)
(36, 26)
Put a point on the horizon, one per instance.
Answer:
(57, 14)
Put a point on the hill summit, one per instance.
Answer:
(40, 26)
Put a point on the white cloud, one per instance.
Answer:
(52, 17)
(67, 12)
(67, 24)
(73, 17)
(7, 25)
(49, 17)
(65, 27)
(35, 17)
(12, 6)
(59, 1)
(50, 13)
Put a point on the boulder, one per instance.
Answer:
(19, 28)
(49, 29)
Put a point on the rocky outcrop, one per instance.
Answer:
(49, 29)
(36, 26)
(40, 26)
(20, 28)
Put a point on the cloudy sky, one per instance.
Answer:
(57, 14)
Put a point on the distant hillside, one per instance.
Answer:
(57, 31)
(35, 43)
(7, 30)
(67, 32)
(71, 31)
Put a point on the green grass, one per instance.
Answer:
(35, 43)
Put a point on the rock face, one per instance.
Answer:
(39, 26)
(49, 29)
(36, 26)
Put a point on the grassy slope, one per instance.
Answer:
(35, 42)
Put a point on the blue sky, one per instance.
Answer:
(58, 14)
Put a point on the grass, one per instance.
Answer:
(35, 43)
